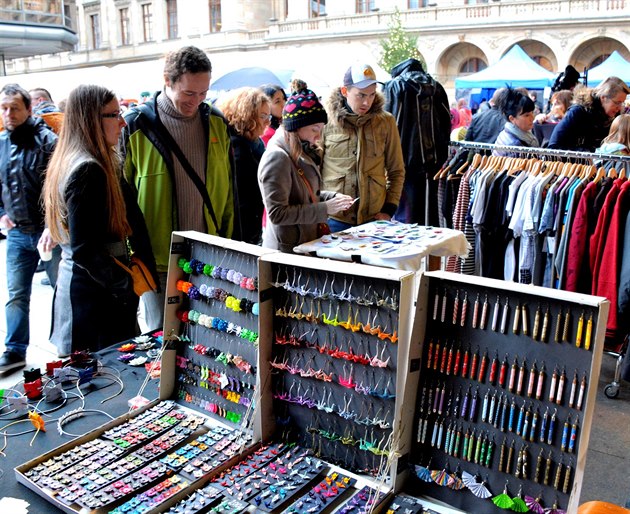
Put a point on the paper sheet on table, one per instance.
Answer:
(14, 505)
(389, 244)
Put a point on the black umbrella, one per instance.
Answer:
(252, 77)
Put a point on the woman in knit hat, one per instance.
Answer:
(290, 180)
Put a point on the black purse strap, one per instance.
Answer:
(192, 174)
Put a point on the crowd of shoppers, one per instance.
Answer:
(257, 166)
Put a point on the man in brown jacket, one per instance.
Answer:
(362, 151)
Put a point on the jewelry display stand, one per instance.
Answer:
(506, 386)
(154, 457)
(227, 431)
(339, 357)
(296, 384)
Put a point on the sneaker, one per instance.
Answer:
(45, 281)
(11, 360)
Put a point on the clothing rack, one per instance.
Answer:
(540, 151)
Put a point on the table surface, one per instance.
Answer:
(18, 450)
(388, 244)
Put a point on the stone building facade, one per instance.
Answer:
(319, 38)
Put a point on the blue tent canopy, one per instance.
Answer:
(515, 68)
(615, 66)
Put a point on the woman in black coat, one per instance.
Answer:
(248, 113)
(588, 120)
(93, 216)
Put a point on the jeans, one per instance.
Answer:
(337, 226)
(22, 259)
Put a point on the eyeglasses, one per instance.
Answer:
(615, 102)
(114, 115)
(265, 117)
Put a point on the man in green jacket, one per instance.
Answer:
(176, 146)
(362, 151)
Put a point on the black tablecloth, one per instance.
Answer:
(18, 450)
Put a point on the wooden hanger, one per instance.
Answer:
(564, 169)
(622, 173)
(476, 161)
(463, 168)
(590, 171)
(441, 171)
(536, 167)
(612, 172)
(599, 175)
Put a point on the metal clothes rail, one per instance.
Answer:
(534, 151)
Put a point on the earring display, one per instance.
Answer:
(514, 415)
(334, 364)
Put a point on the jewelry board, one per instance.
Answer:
(213, 317)
(504, 392)
(339, 341)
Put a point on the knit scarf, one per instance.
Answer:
(527, 138)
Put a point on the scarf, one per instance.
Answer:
(527, 138)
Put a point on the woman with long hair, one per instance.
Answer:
(93, 216)
(290, 179)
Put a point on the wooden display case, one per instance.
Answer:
(357, 364)
(361, 402)
(530, 354)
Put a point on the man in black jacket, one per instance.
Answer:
(25, 148)
(420, 106)
(487, 125)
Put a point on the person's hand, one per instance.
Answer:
(381, 216)
(46, 241)
(540, 118)
(6, 222)
(339, 203)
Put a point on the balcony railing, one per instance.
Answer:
(449, 16)
(38, 12)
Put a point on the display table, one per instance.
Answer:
(389, 244)
(18, 450)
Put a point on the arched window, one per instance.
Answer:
(472, 65)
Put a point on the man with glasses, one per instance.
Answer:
(25, 148)
(588, 120)
(177, 158)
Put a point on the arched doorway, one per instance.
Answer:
(595, 51)
(460, 60)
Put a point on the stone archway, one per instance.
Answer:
(595, 50)
(451, 61)
(540, 53)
